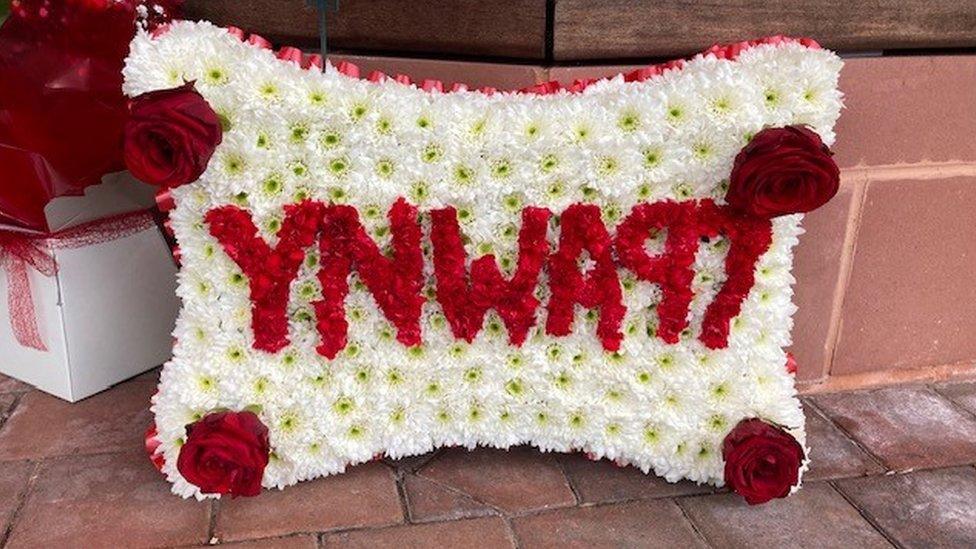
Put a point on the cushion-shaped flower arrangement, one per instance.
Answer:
(375, 268)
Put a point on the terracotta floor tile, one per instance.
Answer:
(832, 453)
(603, 481)
(116, 500)
(410, 464)
(13, 481)
(906, 427)
(11, 385)
(921, 509)
(479, 533)
(6, 405)
(521, 479)
(963, 394)
(291, 542)
(364, 495)
(152, 376)
(44, 426)
(656, 523)
(429, 501)
(815, 517)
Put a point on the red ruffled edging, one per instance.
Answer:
(310, 61)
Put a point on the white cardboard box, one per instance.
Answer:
(108, 313)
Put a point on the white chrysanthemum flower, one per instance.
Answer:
(292, 135)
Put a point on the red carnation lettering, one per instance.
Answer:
(749, 238)
(465, 299)
(466, 295)
(395, 282)
(581, 229)
(672, 269)
(270, 271)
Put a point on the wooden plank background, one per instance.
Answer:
(473, 28)
(594, 30)
(620, 29)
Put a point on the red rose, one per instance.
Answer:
(762, 462)
(170, 136)
(225, 453)
(783, 171)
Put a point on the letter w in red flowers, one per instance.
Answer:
(465, 301)
(395, 282)
(270, 271)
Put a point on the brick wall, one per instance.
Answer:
(886, 273)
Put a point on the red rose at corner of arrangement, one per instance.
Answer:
(225, 453)
(762, 462)
(170, 136)
(783, 171)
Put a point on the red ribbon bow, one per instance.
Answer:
(20, 250)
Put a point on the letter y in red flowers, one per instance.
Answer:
(270, 271)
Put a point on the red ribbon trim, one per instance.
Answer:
(20, 250)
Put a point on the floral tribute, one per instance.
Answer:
(372, 267)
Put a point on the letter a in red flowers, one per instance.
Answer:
(395, 283)
(270, 271)
(672, 269)
(465, 301)
(581, 229)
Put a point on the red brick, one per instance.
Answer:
(430, 501)
(817, 267)
(291, 542)
(604, 481)
(364, 495)
(906, 427)
(963, 394)
(13, 484)
(657, 523)
(910, 303)
(490, 532)
(474, 74)
(11, 385)
(816, 516)
(832, 453)
(906, 110)
(921, 509)
(110, 500)
(521, 479)
(43, 426)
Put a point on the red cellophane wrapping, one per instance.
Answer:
(61, 103)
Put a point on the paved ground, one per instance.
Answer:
(891, 467)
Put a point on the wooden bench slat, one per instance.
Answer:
(499, 28)
(620, 29)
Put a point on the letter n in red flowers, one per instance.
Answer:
(395, 282)
(269, 271)
(465, 302)
(581, 229)
(672, 269)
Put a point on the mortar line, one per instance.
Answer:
(845, 269)
(868, 517)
